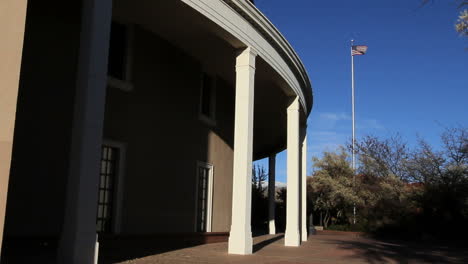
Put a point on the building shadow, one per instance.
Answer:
(398, 251)
(112, 249)
(258, 246)
(124, 248)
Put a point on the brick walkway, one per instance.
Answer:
(322, 248)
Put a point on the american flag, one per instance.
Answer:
(358, 50)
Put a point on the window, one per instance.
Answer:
(118, 66)
(207, 99)
(109, 159)
(204, 196)
(111, 174)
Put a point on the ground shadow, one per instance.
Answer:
(399, 251)
(112, 249)
(258, 246)
(118, 249)
(20, 250)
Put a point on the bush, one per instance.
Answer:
(358, 227)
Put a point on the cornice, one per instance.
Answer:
(264, 26)
(246, 23)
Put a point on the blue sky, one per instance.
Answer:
(412, 81)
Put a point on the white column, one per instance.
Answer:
(78, 239)
(12, 21)
(304, 185)
(271, 194)
(292, 235)
(240, 237)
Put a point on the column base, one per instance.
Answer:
(272, 228)
(96, 251)
(240, 244)
(292, 238)
(304, 235)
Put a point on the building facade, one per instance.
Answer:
(143, 117)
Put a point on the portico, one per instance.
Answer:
(226, 89)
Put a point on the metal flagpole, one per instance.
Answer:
(353, 140)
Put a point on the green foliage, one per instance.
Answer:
(396, 190)
(331, 188)
(348, 227)
(462, 23)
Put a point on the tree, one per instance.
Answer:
(259, 177)
(382, 157)
(397, 190)
(259, 200)
(331, 187)
(448, 166)
(444, 174)
(462, 23)
(382, 180)
(379, 191)
(461, 26)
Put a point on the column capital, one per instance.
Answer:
(246, 58)
(294, 104)
(303, 132)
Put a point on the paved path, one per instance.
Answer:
(321, 248)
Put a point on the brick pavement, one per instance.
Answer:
(322, 248)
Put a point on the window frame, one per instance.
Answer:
(211, 119)
(209, 206)
(125, 84)
(116, 227)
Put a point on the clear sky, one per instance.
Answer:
(412, 81)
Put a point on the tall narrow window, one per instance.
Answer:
(204, 197)
(207, 99)
(108, 176)
(118, 66)
(117, 51)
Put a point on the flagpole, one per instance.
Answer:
(353, 140)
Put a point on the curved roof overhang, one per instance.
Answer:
(248, 27)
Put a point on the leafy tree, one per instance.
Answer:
(444, 174)
(461, 25)
(383, 181)
(331, 187)
(397, 190)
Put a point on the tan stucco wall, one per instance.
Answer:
(159, 123)
(221, 155)
(12, 23)
(42, 129)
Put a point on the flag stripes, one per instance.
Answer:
(358, 50)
